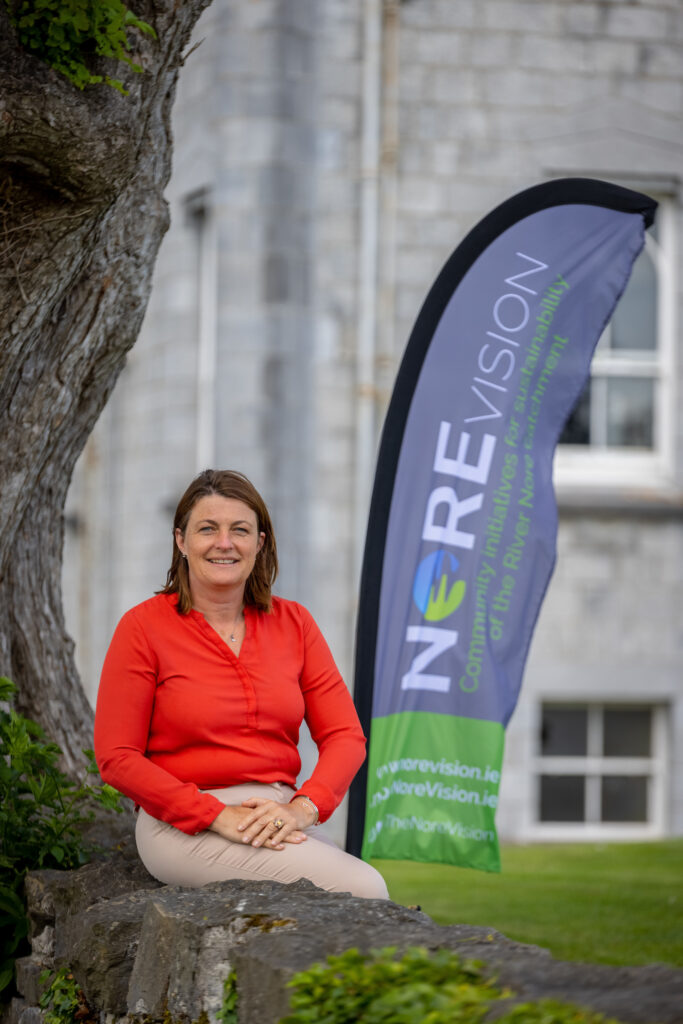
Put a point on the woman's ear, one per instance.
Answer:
(261, 541)
(178, 534)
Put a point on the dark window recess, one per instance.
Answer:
(627, 732)
(564, 732)
(563, 798)
(624, 798)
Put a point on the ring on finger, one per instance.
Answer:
(278, 823)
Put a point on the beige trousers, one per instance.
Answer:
(175, 858)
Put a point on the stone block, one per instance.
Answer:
(636, 22)
(343, 79)
(272, 13)
(342, 41)
(295, 55)
(43, 943)
(282, 186)
(233, 58)
(100, 945)
(515, 87)
(53, 897)
(190, 940)
(344, 114)
(581, 19)
(554, 54)
(185, 952)
(527, 17)
(493, 49)
(422, 15)
(417, 161)
(443, 234)
(455, 86)
(472, 197)
(28, 971)
(40, 899)
(415, 264)
(421, 195)
(661, 59)
(462, 14)
(235, 188)
(437, 47)
(32, 1015)
(617, 56)
(246, 141)
(20, 1012)
(416, 80)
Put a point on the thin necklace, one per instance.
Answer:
(233, 638)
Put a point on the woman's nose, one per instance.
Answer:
(224, 539)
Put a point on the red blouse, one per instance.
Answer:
(179, 712)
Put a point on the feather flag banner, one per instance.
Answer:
(463, 521)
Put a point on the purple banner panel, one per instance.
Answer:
(462, 532)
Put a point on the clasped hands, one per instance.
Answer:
(262, 822)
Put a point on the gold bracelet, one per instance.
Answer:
(302, 796)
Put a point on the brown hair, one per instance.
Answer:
(227, 483)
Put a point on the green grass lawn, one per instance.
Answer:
(608, 903)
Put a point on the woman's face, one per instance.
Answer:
(221, 542)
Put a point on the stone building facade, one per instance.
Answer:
(329, 155)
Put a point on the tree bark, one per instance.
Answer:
(82, 215)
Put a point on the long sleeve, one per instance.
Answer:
(331, 717)
(178, 712)
(125, 705)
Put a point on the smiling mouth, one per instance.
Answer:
(223, 561)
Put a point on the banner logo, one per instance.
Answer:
(435, 592)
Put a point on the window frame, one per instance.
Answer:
(577, 466)
(593, 767)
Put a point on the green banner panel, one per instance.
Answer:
(422, 805)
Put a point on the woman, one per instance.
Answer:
(203, 691)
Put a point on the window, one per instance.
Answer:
(599, 769)
(621, 429)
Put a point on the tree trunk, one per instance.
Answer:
(82, 215)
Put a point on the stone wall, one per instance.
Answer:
(142, 951)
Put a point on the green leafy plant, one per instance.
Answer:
(13, 932)
(66, 33)
(228, 1011)
(63, 1001)
(550, 1011)
(417, 988)
(42, 813)
(378, 987)
(60, 999)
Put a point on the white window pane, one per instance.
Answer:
(562, 798)
(624, 798)
(630, 412)
(634, 321)
(627, 732)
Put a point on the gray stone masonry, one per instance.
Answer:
(141, 951)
